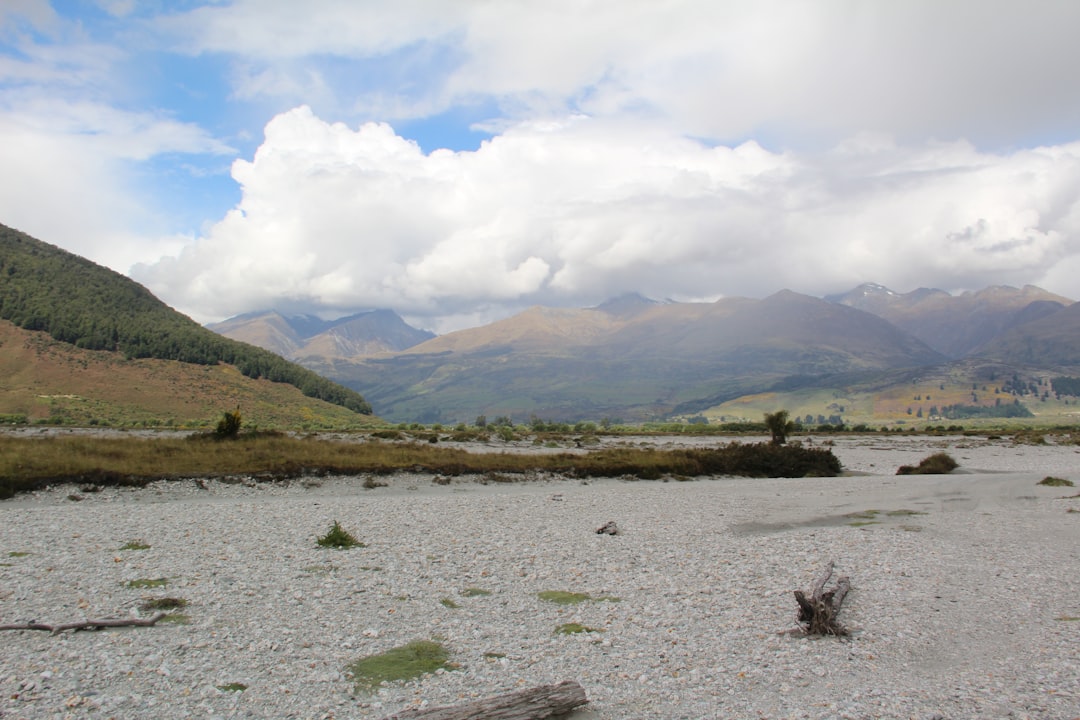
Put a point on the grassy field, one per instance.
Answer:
(29, 463)
(907, 404)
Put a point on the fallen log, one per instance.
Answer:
(532, 704)
(85, 624)
(818, 612)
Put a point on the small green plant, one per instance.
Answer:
(338, 538)
(574, 628)
(134, 545)
(937, 464)
(17, 553)
(145, 583)
(1051, 481)
(903, 512)
(449, 602)
(474, 592)
(405, 662)
(232, 687)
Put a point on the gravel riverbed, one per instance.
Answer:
(965, 599)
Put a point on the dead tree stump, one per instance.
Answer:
(818, 612)
(533, 704)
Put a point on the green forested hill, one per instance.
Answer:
(79, 302)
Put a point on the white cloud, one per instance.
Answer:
(999, 73)
(576, 211)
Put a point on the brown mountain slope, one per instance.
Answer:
(631, 362)
(957, 326)
(43, 379)
(1052, 340)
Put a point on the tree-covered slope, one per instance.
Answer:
(79, 302)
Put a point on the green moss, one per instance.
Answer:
(176, 619)
(494, 655)
(143, 583)
(134, 545)
(562, 597)
(474, 592)
(447, 602)
(17, 553)
(232, 687)
(575, 628)
(904, 513)
(406, 662)
(1051, 481)
(338, 538)
(164, 603)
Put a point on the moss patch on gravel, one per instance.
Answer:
(574, 628)
(405, 662)
(134, 545)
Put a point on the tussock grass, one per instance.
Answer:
(338, 538)
(1052, 481)
(31, 463)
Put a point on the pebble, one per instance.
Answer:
(703, 572)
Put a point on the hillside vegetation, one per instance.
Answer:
(44, 288)
(43, 380)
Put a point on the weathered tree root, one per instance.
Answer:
(533, 704)
(818, 612)
(85, 624)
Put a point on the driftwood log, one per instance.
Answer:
(818, 612)
(608, 528)
(532, 704)
(85, 624)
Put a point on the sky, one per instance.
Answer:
(458, 161)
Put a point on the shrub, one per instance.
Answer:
(229, 425)
(779, 426)
(338, 538)
(937, 464)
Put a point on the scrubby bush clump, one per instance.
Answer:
(1051, 481)
(937, 464)
(338, 538)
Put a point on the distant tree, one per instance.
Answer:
(481, 421)
(779, 426)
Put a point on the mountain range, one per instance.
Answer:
(636, 358)
(82, 344)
